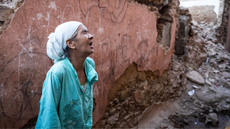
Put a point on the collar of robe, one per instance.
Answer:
(90, 72)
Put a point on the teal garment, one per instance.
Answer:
(63, 104)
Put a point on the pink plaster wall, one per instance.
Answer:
(123, 33)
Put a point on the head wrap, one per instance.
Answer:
(57, 40)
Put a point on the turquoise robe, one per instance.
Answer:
(63, 104)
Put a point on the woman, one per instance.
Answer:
(67, 93)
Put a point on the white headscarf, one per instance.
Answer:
(57, 40)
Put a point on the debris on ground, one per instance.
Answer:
(206, 104)
(206, 100)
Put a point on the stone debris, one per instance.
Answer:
(208, 82)
(227, 84)
(196, 87)
(212, 117)
(112, 120)
(206, 75)
(208, 62)
(195, 77)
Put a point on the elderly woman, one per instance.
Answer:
(67, 93)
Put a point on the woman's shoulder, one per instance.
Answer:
(58, 68)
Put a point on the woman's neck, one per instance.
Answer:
(77, 62)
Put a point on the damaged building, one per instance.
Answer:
(161, 63)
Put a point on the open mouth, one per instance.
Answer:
(91, 45)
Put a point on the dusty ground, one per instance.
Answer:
(206, 101)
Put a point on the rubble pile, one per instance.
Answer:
(206, 102)
(134, 93)
(200, 35)
(198, 82)
(207, 56)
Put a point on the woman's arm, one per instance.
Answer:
(49, 103)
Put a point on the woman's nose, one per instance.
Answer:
(90, 36)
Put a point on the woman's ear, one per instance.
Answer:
(70, 44)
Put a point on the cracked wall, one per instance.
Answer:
(136, 92)
(124, 32)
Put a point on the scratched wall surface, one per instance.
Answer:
(123, 33)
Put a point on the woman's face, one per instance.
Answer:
(84, 41)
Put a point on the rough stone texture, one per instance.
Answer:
(124, 33)
(5, 13)
(209, 99)
(221, 13)
(195, 77)
(212, 117)
(157, 3)
(227, 44)
(184, 20)
(136, 92)
(222, 31)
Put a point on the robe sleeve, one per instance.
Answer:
(51, 92)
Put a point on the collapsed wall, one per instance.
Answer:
(222, 31)
(213, 12)
(136, 93)
(126, 35)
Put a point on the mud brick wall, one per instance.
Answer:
(222, 31)
(136, 91)
(127, 34)
(183, 31)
